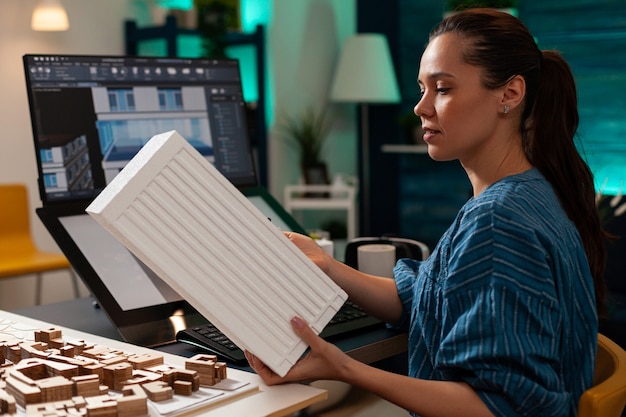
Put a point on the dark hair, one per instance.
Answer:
(503, 47)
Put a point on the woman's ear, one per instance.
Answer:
(514, 92)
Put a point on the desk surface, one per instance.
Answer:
(83, 315)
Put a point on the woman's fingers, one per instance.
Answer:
(323, 361)
(267, 375)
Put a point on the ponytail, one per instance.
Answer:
(549, 145)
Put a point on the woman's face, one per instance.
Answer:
(459, 115)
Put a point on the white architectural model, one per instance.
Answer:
(191, 226)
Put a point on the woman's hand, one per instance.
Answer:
(323, 361)
(311, 249)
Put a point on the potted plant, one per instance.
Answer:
(307, 133)
(215, 18)
(509, 6)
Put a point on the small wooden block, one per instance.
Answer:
(204, 358)
(221, 371)
(113, 360)
(190, 376)
(47, 335)
(42, 410)
(57, 343)
(32, 368)
(95, 352)
(209, 370)
(14, 353)
(160, 368)
(78, 345)
(133, 403)
(96, 368)
(56, 388)
(68, 351)
(101, 406)
(206, 371)
(24, 390)
(169, 377)
(79, 402)
(146, 360)
(158, 391)
(33, 350)
(143, 377)
(115, 375)
(86, 385)
(55, 368)
(7, 403)
(183, 387)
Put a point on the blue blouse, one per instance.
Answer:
(505, 302)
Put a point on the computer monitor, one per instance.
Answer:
(91, 114)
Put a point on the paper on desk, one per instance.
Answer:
(177, 213)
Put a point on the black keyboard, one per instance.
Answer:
(348, 319)
(210, 338)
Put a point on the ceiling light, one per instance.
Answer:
(49, 15)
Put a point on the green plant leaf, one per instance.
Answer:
(307, 133)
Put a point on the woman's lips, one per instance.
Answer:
(429, 134)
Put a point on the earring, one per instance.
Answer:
(506, 109)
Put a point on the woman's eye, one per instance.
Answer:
(439, 90)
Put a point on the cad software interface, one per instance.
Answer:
(92, 114)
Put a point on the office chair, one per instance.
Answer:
(18, 253)
(607, 396)
(405, 248)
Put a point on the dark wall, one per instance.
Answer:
(379, 17)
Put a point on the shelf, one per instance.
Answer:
(422, 149)
(340, 197)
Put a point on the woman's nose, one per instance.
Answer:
(423, 108)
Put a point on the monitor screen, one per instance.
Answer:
(91, 114)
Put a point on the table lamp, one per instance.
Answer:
(365, 75)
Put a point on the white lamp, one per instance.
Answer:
(49, 15)
(365, 74)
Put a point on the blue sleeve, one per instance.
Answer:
(501, 327)
(405, 273)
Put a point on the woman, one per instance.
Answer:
(502, 317)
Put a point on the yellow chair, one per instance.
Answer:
(18, 253)
(607, 396)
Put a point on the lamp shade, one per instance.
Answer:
(365, 73)
(49, 15)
